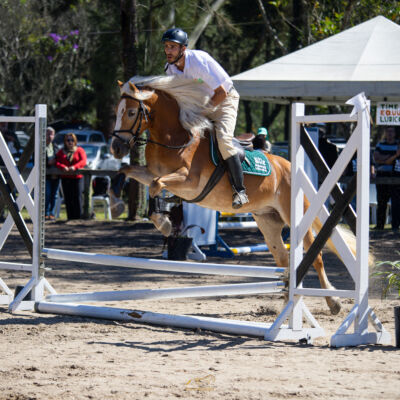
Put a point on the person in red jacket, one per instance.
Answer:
(71, 158)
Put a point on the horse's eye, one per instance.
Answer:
(131, 113)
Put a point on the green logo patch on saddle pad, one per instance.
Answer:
(255, 162)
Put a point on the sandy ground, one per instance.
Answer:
(57, 357)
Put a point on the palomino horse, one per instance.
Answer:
(177, 154)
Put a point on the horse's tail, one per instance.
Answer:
(348, 237)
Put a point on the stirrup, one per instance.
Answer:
(239, 199)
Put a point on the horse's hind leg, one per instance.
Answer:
(333, 302)
(271, 225)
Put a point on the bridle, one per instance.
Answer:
(139, 141)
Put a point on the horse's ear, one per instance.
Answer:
(120, 84)
(133, 87)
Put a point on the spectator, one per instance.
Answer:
(328, 150)
(352, 170)
(386, 156)
(71, 158)
(52, 181)
(261, 141)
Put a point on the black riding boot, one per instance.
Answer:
(239, 197)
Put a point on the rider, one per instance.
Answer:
(224, 99)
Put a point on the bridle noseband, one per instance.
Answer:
(135, 135)
(135, 139)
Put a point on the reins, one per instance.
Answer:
(139, 141)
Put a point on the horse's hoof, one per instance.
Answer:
(334, 305)
(162, 223)
(117, 205)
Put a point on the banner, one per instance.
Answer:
(388, 114)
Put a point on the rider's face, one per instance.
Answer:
(172, 50)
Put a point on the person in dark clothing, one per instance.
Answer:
(386, 156)
(52, 181)
(261, 141)
(71, 158)
(328, 150)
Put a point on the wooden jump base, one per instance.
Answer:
(295, 311)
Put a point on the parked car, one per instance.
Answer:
(99, 156)
(23, 138)
(83, 136)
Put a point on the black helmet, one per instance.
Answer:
(175, 35)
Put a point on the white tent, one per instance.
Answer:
(365, 58)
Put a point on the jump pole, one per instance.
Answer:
(234, 327)
(163, 265)
(170, 293)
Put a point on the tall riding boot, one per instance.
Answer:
(239, 197)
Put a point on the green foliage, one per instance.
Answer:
(44, 61)
(76, 74)
(391, 277)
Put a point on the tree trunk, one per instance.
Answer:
(136, 192)
(247, 113)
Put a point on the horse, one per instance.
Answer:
(172, 110)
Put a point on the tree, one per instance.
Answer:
(45, 61)
(136, 191)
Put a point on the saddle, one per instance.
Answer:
(242, 143)
(253, 162)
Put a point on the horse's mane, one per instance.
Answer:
(191, 96)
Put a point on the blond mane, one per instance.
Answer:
(191, 96)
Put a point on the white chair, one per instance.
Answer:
(101, 196)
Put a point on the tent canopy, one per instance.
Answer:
(365, 58)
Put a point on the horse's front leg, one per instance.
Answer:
(177, 177)
(137, 172)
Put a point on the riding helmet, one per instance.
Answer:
(176, 35)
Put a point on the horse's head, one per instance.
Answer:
(131, 118)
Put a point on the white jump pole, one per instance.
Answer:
(246, 328)
(163, 265)
(170, 293)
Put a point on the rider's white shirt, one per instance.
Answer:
(201, 66)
